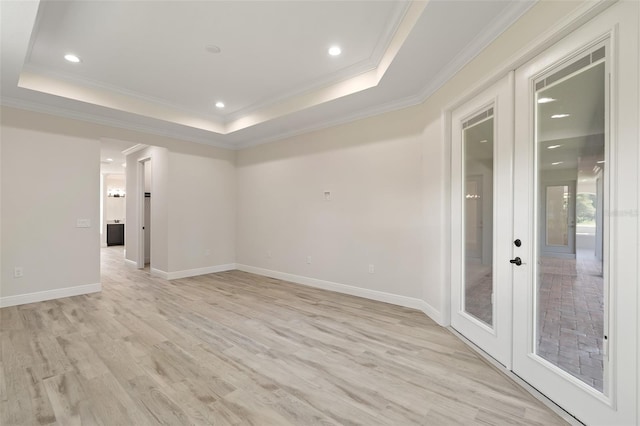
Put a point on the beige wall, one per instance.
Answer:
(202, 211)
(48, 181)
(51, 176)
(389, 180)
(193, 209)
(373, 170)
(262, 207)
(388, 176)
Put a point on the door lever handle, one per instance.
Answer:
(517, 261)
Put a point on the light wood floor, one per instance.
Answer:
(235, 348)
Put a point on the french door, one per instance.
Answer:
(482, 141)
(576, 166)
(557, 300)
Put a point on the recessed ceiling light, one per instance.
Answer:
(556, 163)
(484, 141)
(212, 48)
(545, 100)
(72, 58)
(560, 115)
(335, 50)
(219, 104)
(109, 160)
(553, 146)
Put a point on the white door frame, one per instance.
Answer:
(140, 189)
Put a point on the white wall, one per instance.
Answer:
(50, 171)
(374, 217)
(389, 180)
(148, 175)
(193, 200)
(42, 197)
(388, 177)
(202, 212)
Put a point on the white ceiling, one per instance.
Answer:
(112, 159)
(582, 96)
(145, 65)
(578, 139)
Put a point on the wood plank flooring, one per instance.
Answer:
(238, 349)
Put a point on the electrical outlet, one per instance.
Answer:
(18, 272)
(371, 269)
(309, 259)
(327, 195)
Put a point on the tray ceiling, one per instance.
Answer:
(161, 67)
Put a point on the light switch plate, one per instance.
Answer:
(83, 223)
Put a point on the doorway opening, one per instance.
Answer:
(144, 211)
(113, 194)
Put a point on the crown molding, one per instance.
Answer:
(508, 17)
(37, 78)
(135, 148)
(110, 122)
(360, 76)
(339, 89)
(33, 80)
(370, 64)
(389, 33)
(512, 13)
(394, 105)
(90, 84)
(499, 25)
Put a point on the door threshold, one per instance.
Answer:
(515, 378)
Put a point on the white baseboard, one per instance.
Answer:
(174, 275)
(131, 263)
(58, 293)
(431, 312)
(160, 274)
(200, 271)
(381, 296)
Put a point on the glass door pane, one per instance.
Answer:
(478, 216)
(570, 290)
(482, 215)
